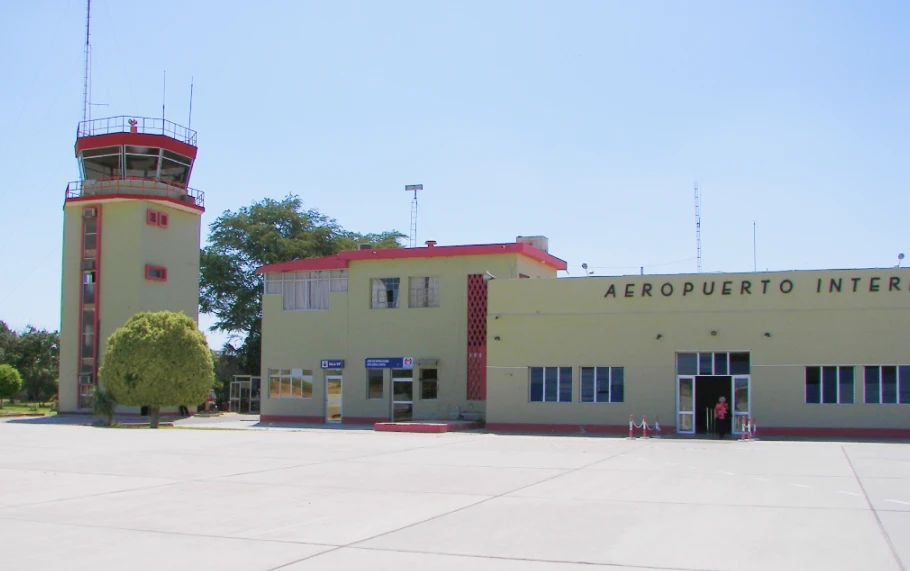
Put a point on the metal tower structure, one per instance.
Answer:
(412, 236)
(698, 227)
(87, 73)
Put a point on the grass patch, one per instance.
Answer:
(26, 408)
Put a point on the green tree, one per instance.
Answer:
(157, 359)
(10, 382)
(35, 354)
(267, 232)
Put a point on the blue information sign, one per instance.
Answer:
(390, 362)
(332, 364)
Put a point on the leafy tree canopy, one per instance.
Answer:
(267, 232)
(10, 381)
(158, 359)
(35, 354)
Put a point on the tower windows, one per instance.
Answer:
(156, 218)
(155, 273)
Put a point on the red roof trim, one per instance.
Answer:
(342, 259)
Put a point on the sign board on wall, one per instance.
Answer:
(331, 364)
(389, 362)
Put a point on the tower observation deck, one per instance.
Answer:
(135, 157)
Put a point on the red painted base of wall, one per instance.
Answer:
(296, 419)
(763, 431)
(426, 427)
(563, 428)
(362, 420)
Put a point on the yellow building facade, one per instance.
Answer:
(395, 335)
(130, 241)
(800, 353)
(377, 335)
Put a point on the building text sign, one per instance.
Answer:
(331, 364)
(756, 287)
(390, 362)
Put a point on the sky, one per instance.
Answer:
(586, 122)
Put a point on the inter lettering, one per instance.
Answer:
(764, 286)
(704, 288)
(611, 291)
(725, 290)
(855, 283)
(835, 285)
(818, 287)
(873, 284)
(666, 289)
(630, 290)
(646, 290)
(689, 287)
(746, 287)
(894, 284)
(786, 286)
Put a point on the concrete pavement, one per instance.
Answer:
(84, 498)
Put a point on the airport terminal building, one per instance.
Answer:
(489, 332)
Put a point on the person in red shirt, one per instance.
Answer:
(721, 410)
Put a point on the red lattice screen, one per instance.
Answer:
(477, 337)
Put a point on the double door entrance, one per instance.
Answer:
(702, 379)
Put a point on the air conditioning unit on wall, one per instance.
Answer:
(89, 213)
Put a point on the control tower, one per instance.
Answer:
(131, 235)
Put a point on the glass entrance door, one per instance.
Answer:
(333, 398)
(402, 394)
(742, 403)
(685, 405)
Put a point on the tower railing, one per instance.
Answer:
(144, 125)
(140, 186)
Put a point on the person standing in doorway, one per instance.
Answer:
(720, 413)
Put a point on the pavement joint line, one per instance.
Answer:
(165, 532)
(849, 493)
(493, 497)
(878, 519)
(689, 504)
(801, 486)
(525, 559)
(899, 502)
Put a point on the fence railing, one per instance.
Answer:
(141, 186)
(145, 125)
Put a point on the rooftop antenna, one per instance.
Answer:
(87, 74)
(163, 98)
(754, 249)
(189, 123)
(412, 237)
(698, 227)
(900, 258)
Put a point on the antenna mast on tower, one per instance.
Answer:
(698, 227)
(87, 76)
(412, 237)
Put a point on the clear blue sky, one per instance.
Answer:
(587, 122)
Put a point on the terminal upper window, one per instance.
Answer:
(830, 385)
(424, 292)
(384, 293)
(602, 384)
(551, 384)
(290, 383)
(887, 384)
(713, 364)
(306, 291)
